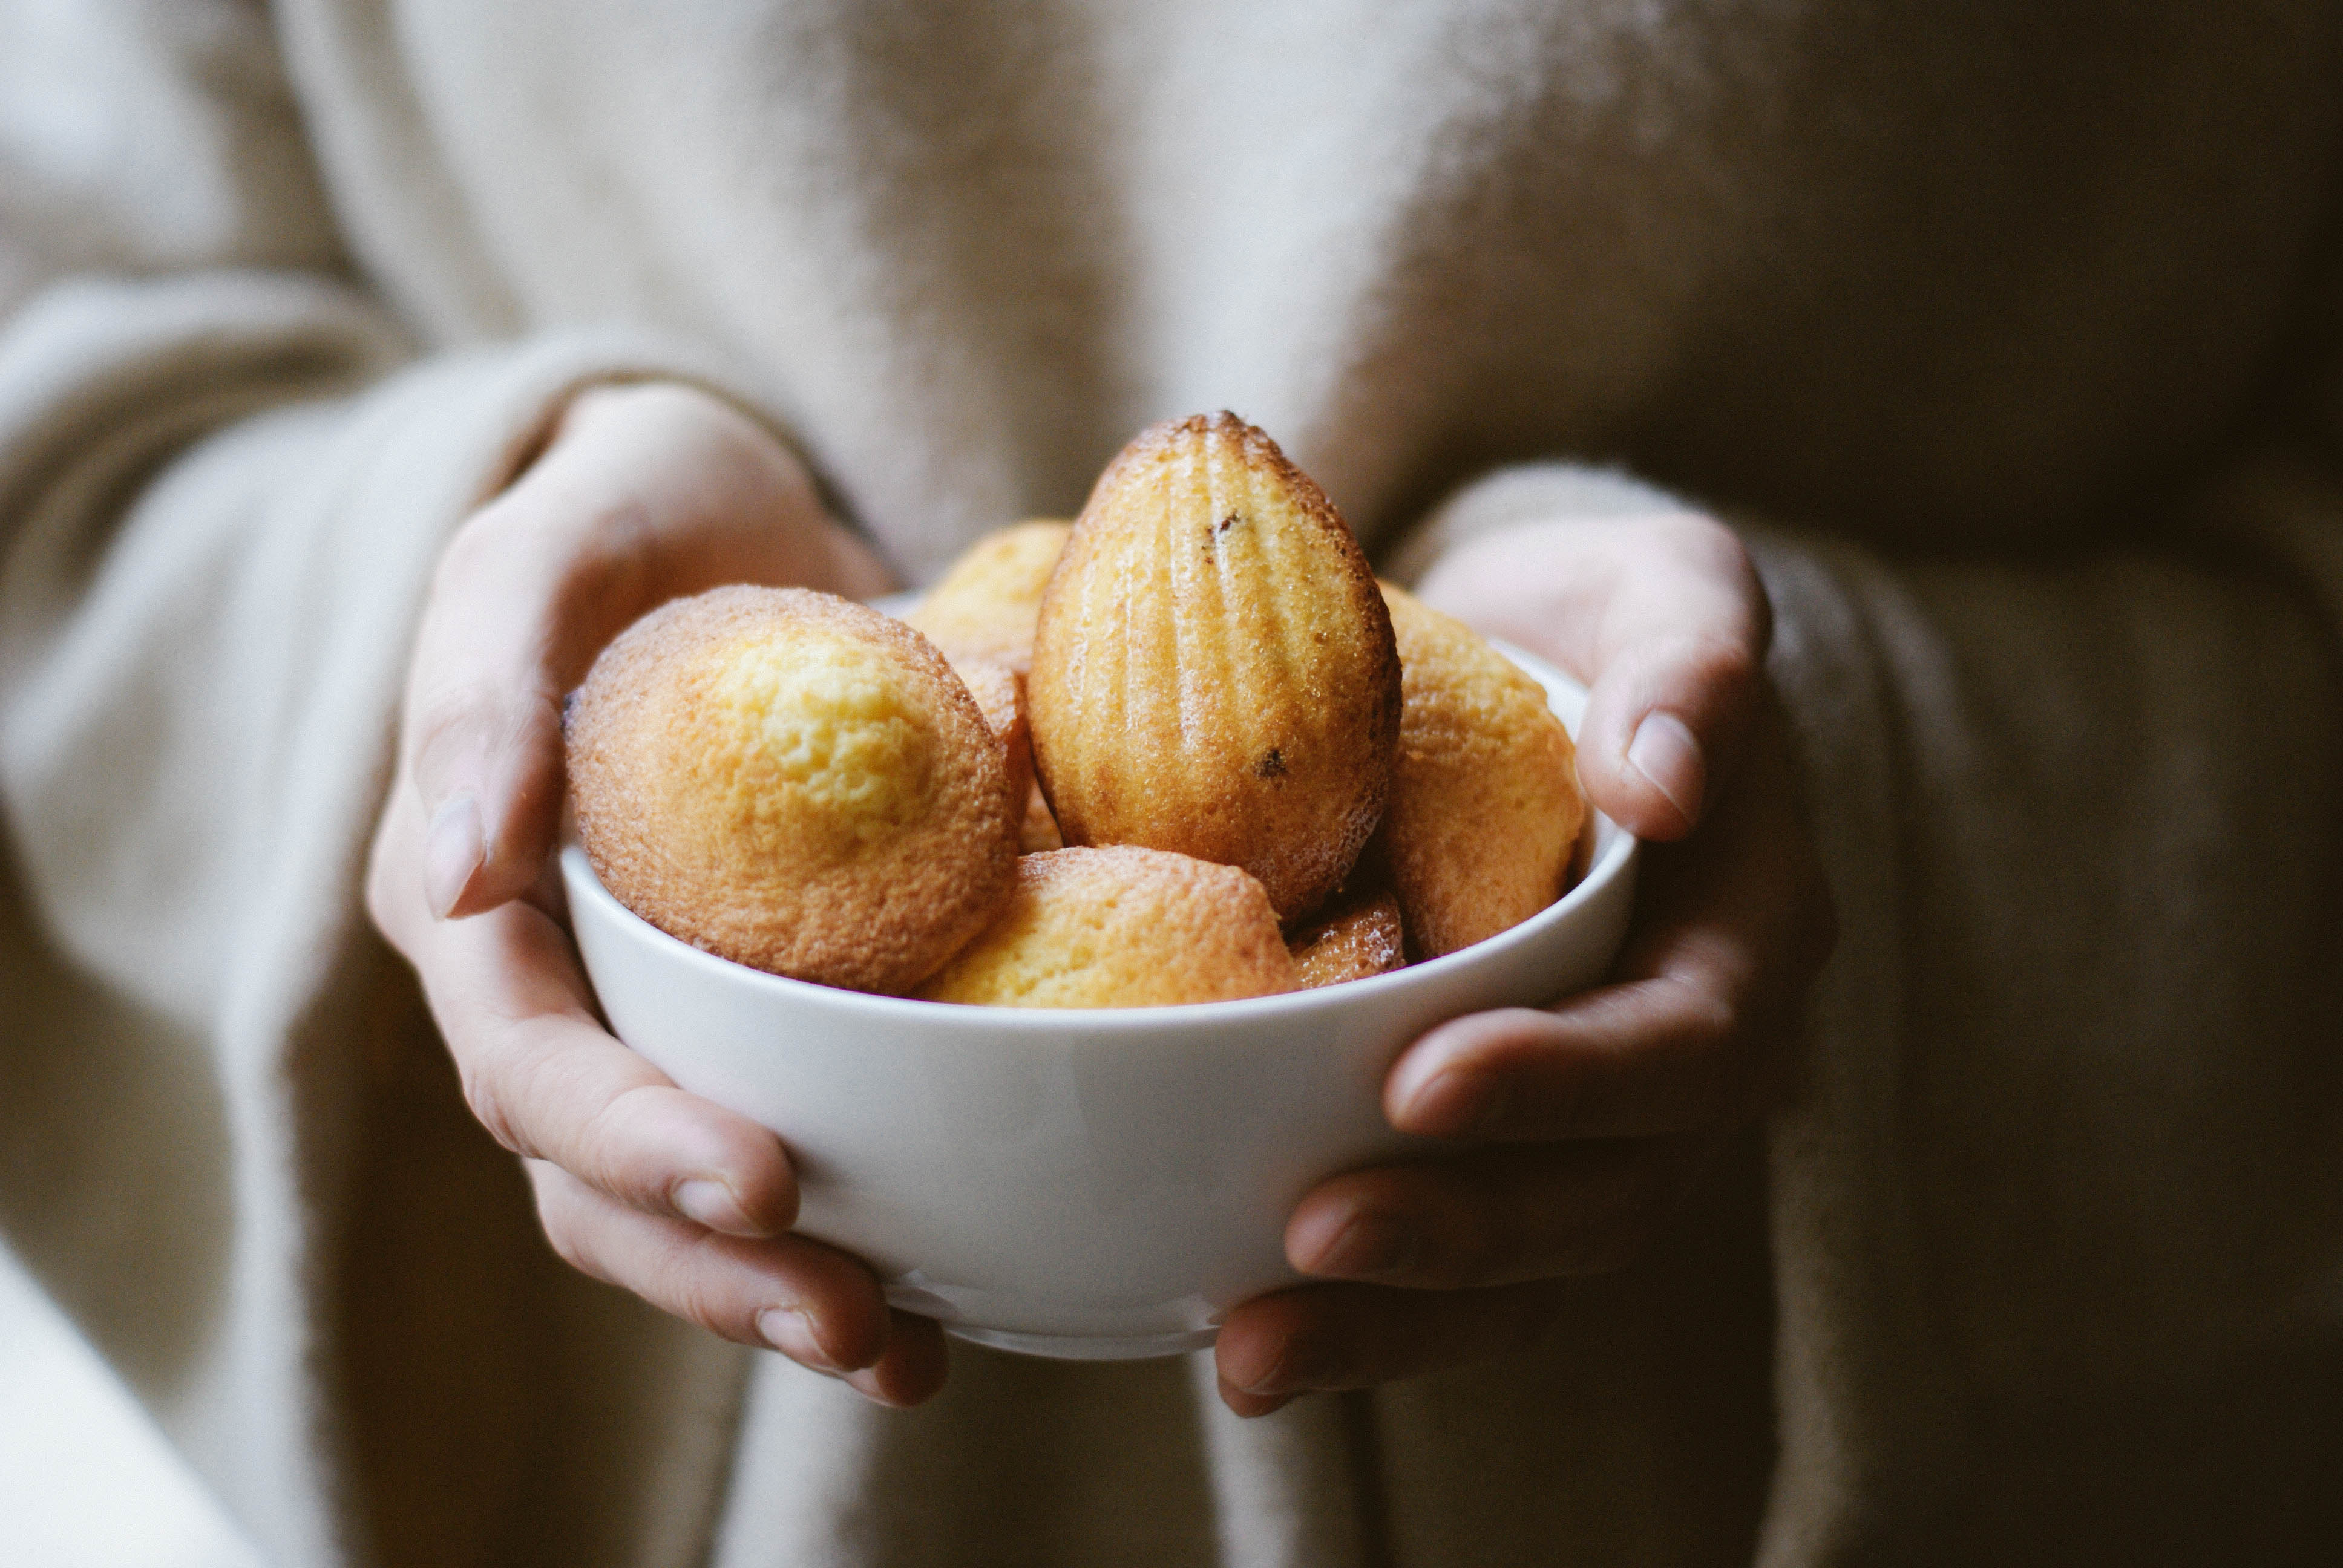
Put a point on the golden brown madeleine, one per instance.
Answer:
(1359, 939)
(984, 607)
(793, 781)
(1000, 694)
(1582, 854)
(1214, 672)
(1121, 927)
(1485, 809)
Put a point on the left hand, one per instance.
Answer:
(1578, 1128)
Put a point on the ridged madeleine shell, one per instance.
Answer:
(1213, 669)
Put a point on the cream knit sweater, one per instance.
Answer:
(2009, 329)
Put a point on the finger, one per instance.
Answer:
(1664, 617)
(1325, 1337)
(1666, 1054)
(812, 1302)
(1731, 930)
(912, 1371)
(1249, 1404)
(1497, 1217)
(484, 704)
(550, 1082)
(1683, 642)
(1660, 728)
(646, 493)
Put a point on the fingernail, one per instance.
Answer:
(865, 1382)
(1371, 1247)
(452, 851)
(709, 1202)
(1247, 1406)
(1665, 751)
(789, 1330)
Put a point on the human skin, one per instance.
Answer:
(1576, 1128)
(1579, 1128)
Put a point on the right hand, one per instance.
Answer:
(645, 493)
(1573, 1131)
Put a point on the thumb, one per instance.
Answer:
(1662, 617)
(1664, 724)
(488, 768)
(645, 493)
(1678, 676)
(527, 591)
(501, 641)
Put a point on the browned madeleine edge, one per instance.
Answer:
(1360, 935)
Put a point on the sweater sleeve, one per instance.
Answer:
(225, 471)
(2053, 1206)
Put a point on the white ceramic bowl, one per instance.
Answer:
(1094, 1184)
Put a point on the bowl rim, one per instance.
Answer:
(1615, 850)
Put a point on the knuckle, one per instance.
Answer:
(611, 548)
(1710, 1064)
(1711, 552)
(1701, 538)
(657, 399)
(1728, 662)
(511, 537)
(451, 721)
(1708, 1021)
(608, 1149)
(1707, 546)
(562, 538)
(469, 548)
(566, 1229)
(692, 1285)
(1720, 549)
(1478, 1235)
(489, 1092)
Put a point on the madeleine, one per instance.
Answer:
(1122, 927)
(1486, 811)
(986, 605)
(795, 782)
(1214, 672)
(1356, 940)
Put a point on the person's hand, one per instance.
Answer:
(645, 493)
(1577, 1129)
